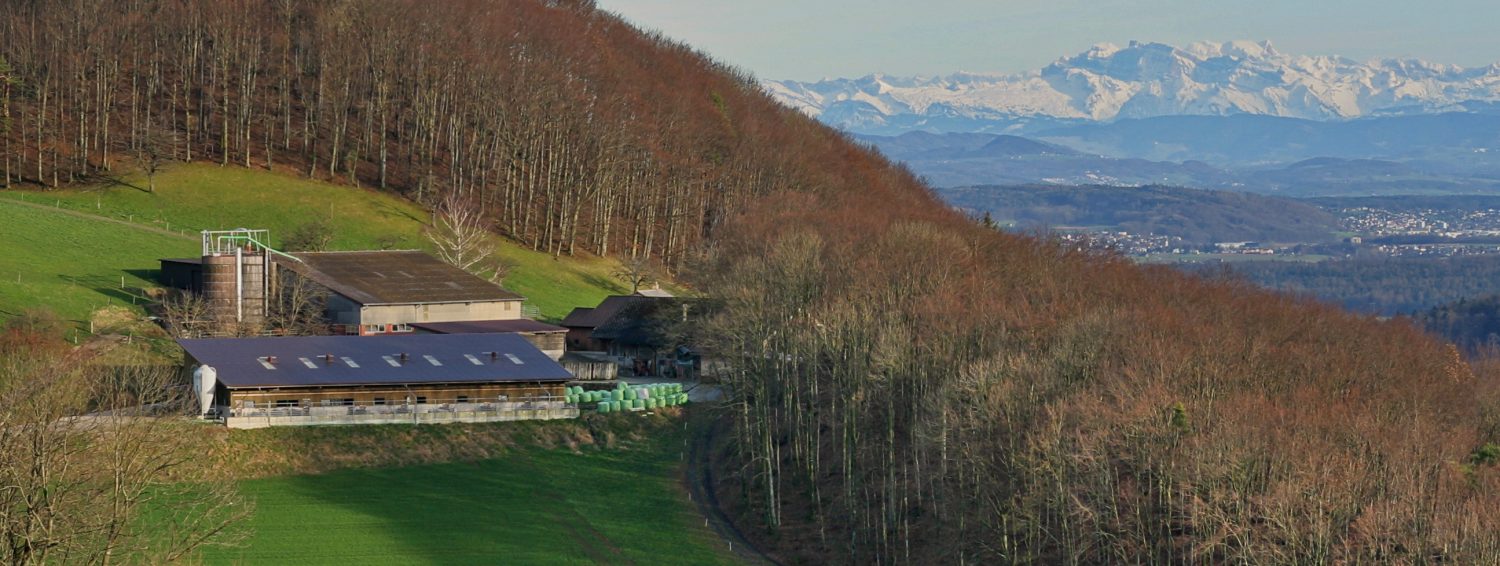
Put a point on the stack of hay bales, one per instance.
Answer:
(637, 398)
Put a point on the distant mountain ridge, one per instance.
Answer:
(1145, 80)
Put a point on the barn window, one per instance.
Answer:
(380, 400)
(463, 398)
(281, 403)
(347, 401)
(421, 399)
(403, 327)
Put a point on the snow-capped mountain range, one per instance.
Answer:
(1145, 80)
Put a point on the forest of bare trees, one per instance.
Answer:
(567, 124)
(914, 389)
(905, 386)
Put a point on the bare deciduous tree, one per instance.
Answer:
(460, 236)
(154, 151)
(96, 465)
(297, 306)
(638, 271)
(185, 314)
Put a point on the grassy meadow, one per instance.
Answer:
(73, 265)
(192, 197)
(532, 505)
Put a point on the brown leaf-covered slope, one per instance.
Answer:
(577, 131)
(909, 387)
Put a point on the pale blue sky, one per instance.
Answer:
(811, 39)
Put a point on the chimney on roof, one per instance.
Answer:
(327, 358)
(403, 356)
(270, 359)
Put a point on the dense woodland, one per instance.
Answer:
(1197, 216)
(1378, 285)
(906, 386)
(1471, 323)
(575, 131)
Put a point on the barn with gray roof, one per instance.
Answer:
(394, 378)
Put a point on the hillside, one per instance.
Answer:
(591, 491)
(1471, 323)
(908, 386)
(53, 245)
(74, 264)
(1198, 217)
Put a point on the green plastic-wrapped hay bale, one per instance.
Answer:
(604, 407)
(638, 404)
(630, 395)
(682, 398)
(570, 399)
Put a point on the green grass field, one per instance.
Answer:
(193, 197)
(533, 506)
(72, 264)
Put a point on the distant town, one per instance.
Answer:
(1366, 231)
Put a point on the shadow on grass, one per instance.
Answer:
(614, 286)
(531, 506)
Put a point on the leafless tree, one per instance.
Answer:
(638, 271)
(460, 236)
(154, 151)
(97, 466)
(185, 314)
(297, 306)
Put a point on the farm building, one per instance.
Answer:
(386, 292)
(257, 382)
(633, 330)
(548, 338)
(367, 292)
(582, 321)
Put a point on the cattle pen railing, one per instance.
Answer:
(251, 415)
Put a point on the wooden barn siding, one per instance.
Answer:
(395, 395)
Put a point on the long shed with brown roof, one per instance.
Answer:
(379, 292)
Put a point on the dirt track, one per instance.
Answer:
(699, 476)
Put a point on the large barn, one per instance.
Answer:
(256, 382)
(382, 292)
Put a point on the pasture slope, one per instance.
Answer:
(68, 250)
(52, 250)
(531, 505)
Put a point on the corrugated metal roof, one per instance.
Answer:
(394, 277)
(483, 326)
(303, 361)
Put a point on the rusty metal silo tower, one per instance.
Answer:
(236, 269)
